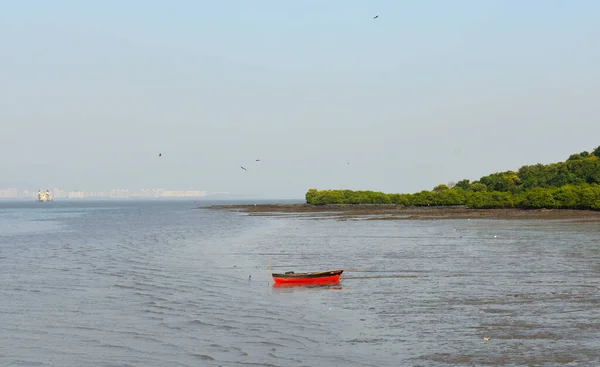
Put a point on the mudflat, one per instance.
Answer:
(394, 212)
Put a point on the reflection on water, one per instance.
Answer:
(298, 286)
(162, 284)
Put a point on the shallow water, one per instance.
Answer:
(166, 284)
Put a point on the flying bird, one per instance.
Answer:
(258, 160)
(347, 162)
(242, 167)
(160, 154)
(375, 17)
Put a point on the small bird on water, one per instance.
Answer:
(487, 338)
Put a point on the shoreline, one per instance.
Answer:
(394, 212)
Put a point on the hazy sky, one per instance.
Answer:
(431, 91)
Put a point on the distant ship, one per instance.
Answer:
(44, 196)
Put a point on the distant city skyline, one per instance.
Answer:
(59, 193)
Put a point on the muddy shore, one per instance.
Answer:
(393, 212)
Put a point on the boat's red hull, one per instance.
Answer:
(334, 285)
(332, 279)
(308, 278)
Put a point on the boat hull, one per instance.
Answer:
(308, 278)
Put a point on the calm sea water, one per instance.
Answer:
(166, 284)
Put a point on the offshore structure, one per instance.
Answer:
(44, 196)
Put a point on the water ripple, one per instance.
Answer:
(155, 284)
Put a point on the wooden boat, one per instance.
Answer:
(330, 276)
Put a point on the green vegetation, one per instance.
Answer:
(573, 184)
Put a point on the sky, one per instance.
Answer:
(429, 92)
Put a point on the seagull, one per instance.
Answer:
(375, 17)
(242, 167)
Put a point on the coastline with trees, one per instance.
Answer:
(573, 184)
(561, 190)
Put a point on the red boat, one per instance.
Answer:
(330, 276)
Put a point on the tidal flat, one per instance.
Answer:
(395, 212)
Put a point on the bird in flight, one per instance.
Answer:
(347, 162)
(160, 154)
(258, 160)
(375, 17)
(242, 167)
